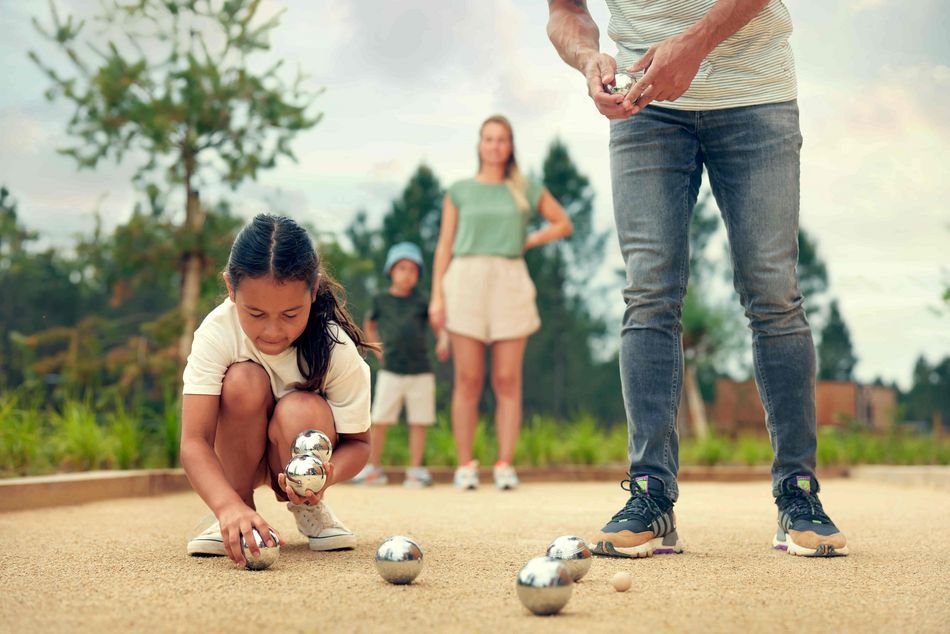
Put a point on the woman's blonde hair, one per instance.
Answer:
(515, 181)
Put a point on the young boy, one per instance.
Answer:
(398, 318)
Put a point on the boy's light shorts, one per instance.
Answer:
(416, 390)
(490, 298)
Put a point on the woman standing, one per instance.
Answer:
(482, 293)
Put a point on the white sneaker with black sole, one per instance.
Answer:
(207, 540)
(320, 525)
(466, 476)
(506, 478)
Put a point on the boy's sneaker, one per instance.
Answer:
(645, 526)
(466, 476)
(505, 476)
(207, 540)
(417, 478)
(371, 475)
(322, 527)
(803, 526)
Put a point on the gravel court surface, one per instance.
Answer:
(121, 566)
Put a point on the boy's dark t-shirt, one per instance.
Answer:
(402, 323)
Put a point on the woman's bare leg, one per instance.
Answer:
(506, 379)
(469, 362)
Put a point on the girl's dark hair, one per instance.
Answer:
(278, 247)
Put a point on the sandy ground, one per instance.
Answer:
(120, 566)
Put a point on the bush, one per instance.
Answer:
(37, 439)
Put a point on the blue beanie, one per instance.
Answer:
(404, 251)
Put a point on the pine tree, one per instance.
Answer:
(836, 358)
(181, 89)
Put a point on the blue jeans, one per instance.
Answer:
(752, 155)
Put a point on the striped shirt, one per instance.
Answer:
(752, 66)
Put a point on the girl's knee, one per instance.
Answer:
(298, 411)
(246, 388)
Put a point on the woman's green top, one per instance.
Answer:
(489, 221)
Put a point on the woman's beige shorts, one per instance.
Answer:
(490, 298)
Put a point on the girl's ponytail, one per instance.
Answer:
(314, 345)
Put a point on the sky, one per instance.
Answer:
(409, 82)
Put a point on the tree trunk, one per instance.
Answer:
(694, 401)
(192, 265)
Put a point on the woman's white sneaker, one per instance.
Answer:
(207, 540)
(320, 525)
(505, 476)
(466, 476)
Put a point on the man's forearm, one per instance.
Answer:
(573, 31)
(725, 18)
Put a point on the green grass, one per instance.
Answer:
(83, 435)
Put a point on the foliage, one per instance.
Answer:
(78, 436)
(836, 358)
(171, 86)
(929, 393)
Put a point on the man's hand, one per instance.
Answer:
(599, 69)
(670, 68)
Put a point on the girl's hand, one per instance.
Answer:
(312, 497)
(437, 313)
(239, 520)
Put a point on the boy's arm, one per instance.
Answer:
(372, 335)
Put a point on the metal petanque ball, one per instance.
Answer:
(544, 585)
(399, 560)
(305, 473)
(268, 556)
(573, 552)
(312, 442)
(622, 83)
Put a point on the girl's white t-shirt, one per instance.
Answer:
(220, 342)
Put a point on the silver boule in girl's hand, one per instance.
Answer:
(312, 442)
(305, 473)
(268, 556)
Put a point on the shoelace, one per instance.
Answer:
(799, 503)
(640, 505)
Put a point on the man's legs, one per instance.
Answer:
(752, 155)
(753, 159)
(656, 173)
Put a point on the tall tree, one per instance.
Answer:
(929, 394)
(564, 376)
(416, 215)
(812, 273)
(836, 359)
(711, 332)
(176, 82)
